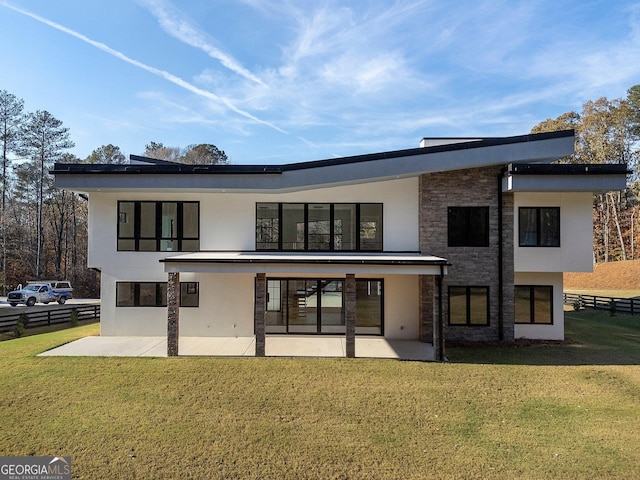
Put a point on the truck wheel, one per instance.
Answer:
(31, 302)
(61, 300)
(13, 304)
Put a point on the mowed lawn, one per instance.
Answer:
(540, 411)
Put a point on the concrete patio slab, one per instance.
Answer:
(304, 346)
(218, 346)
(111, 347)
(276, 346)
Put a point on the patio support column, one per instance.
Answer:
(427, 308)
(260, 310)
(438, 328)
(173, 313)
(350, 314)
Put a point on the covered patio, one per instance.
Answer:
(342, 265)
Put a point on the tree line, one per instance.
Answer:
(43, 229)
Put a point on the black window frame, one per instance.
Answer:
(468, 306)
(461, 231)
(359, 241)
(532, 303)
(180, 239)
(539, 227)
(159, 301)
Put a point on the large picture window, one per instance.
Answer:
(319, 226)
(469, 306)
(534, 304)
(158, 226)
(468, 226)
(317, 306)
(539, 226)
(154, 294)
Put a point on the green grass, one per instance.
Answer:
(538, 412)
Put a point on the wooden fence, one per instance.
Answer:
(41, 318)
(598, 302)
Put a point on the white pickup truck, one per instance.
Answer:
(41, 292)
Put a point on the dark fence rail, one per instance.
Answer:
(42, 318)
(598, 302)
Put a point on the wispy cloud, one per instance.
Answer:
(155, 71)
(178, 25)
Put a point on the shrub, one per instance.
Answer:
(21, 324)
(578, 303)
(612, 307)
(73, 319)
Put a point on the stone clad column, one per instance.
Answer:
(427, 308)
(173, 313)
(260, 310)
(350, 314)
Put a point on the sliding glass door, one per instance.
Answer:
(316, 306)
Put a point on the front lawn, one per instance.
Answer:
(541, 411)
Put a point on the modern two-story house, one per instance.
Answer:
(457, 240)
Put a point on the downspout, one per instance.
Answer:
(500, 260)
(441, 356)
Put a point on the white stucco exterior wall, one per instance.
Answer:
(575, 253)
(543, 332)
(401, 307)
(227, 222)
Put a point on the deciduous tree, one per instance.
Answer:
(204, 154)
(109, 154)
(196, 154)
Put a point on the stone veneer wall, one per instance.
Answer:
(470, 266)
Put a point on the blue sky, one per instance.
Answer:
(277, 81)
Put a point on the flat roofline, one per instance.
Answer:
(320, 258)
(148, 166)
(567, 169)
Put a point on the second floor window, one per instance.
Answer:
(468, 226)
(319, 226)
(539, 226)
(159, 226)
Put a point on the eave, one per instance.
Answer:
(565, 177)
(306, 263)
(369, 168)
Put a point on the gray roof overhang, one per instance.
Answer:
(565, 177)
(534, 148)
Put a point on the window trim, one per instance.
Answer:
(159, 303)
(538, 227)
(468, 210)
(532, 305)
(158, 237)
(468, 306)
(357, 240)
